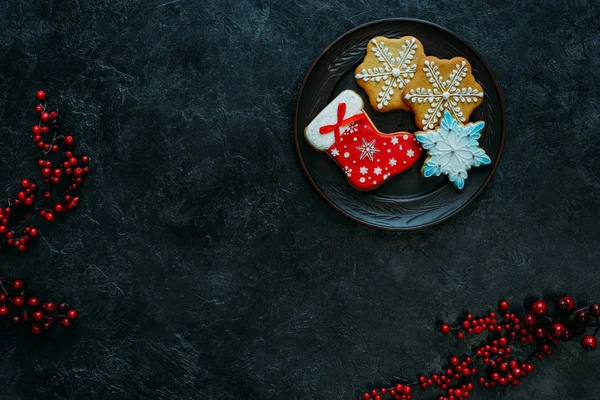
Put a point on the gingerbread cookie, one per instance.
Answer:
(453, 148)
(367, 157)
(387, 67)
(440, 85)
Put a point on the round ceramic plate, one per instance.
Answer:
(407, 201)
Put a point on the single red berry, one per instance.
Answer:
(72, 161)
(49, 217)
(540, 333)
(539, 308)
(35, 329)
(34, 232)
(3, 311)
(466, 324)
(38, 315)
(559, 330)
(72, 314)
(45, 129)
(40, 95)
(460, 336)
(565, 303)
(595, 310)
(65, 322)
(46, 172)
(58, 208)
(54, 114)
(17, 301)
(17, 284)
(85, 159)
(45, 116)
(36, 129)
(582, 316)
(446, 329)
(69, 140)
(568, 335)
(504, 305)
(33, 302)
(78, 171)
(529, 319)
(39, 108)
(588, 342)
(49, 307)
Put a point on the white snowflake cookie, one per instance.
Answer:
(388, 66)
(453, 148)
(440, 85)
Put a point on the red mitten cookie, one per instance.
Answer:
(367, 156)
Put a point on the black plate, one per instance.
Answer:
(407, 201)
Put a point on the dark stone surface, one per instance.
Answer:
(204, 264)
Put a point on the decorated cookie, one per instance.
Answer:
(441, 85)
(367, 156)
(388, 66)
(453, 148)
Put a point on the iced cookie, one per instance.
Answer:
(440, 85)
(452, 149)
(387, 67)
(367, 156)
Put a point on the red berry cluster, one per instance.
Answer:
(398, 392)
(38, 317)
(59, 175)
(498, 366)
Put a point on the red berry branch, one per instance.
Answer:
(62, 175)
(495, 363)
(38, 317)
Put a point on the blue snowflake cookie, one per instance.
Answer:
(453, 148)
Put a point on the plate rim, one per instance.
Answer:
(472, 198)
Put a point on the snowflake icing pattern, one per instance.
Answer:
(367, 150)
(353, 127)
(444, 94)
(394, 73)
(453, 149)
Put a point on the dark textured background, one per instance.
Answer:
(205, 265)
